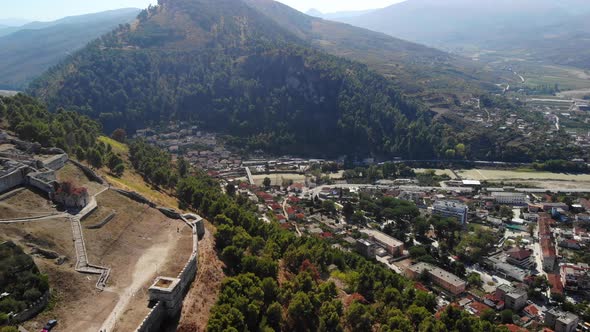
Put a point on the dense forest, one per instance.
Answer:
(74, 133)
(31, 121)
(243, 75)
(305, 298)
(20, 278)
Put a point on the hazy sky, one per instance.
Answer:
(53, 9)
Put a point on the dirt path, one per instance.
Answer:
(205, 289)
(145, 269)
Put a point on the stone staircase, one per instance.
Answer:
(82, 264)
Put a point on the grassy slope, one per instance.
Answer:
(131, 180)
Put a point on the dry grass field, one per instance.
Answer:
(488, 174)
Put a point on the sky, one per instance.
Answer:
(46, 10)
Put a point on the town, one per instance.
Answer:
(523, 256)
(494, 250)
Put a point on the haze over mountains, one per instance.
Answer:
(26, 51)
(539, 29)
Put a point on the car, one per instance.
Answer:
(50, 325)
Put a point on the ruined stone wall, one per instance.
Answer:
(56, 162)
(32, 310)
(135, 196)
(89, 173)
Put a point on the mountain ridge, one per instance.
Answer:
(489, 25)
(232, 69)
(35, 47)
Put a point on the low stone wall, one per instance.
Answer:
(11, 193)
(56, 162)
(170, 213)
(153, 321)
(103, 222)
(31, 311)
(135, 196)
(88, 172)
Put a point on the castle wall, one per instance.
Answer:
(37, 183)
(153, 321)
(56, 162)
(13, 179)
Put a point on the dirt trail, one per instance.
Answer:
(205, 289)
(147, 266)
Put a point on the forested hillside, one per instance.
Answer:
(232, 69)
(415, 68)
(29, 120)
(20, 279)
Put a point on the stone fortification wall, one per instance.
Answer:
(42, 181)
(135, 196)
(89, 173)
(153, 321)
(56, 162)
(12, 179)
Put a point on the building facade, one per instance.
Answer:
(451, 209)
(561, 321)
(510, 198)
(392, 245)
(438, 276)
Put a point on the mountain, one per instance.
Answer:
(93, 18)
(13, 22)
(415, 68)
(330, 16)
(229, 67)
(498, 25)
(33, 48)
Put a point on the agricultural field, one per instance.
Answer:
(278, 178)
(529, 178)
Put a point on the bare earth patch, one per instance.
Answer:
(139, 244)
(205, 289)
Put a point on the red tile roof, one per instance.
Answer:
(556, 284)
(532, 310)
(515, 328)
(585, 203)
(520, 254)
(478, 307)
